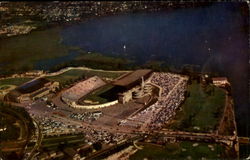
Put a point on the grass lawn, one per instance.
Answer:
(100, 61)
(14, 81)
(74, 74)
(96, 96)
(181, 150)
(103, 74)
(4, 87)
(201, 111)
(67, 76)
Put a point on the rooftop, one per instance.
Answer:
(132, 77)
(32, 85)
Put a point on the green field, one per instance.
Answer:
(75, 74)
(67, 76)
(4, 87)
(181, 150)
(97, 95)
(202, 110)
(100, 61)
(14, 81)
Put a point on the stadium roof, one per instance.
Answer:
(32, 85)
(132, 77)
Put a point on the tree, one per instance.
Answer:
(228, 88)
(97, 146)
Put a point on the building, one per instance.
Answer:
(71, 153)
(35, 73)
(132, 79)
(132, 85)
(125, 88)
(31, 90)
(220, 81)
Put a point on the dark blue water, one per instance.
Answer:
(211, 37)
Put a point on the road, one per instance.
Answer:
(204, 137)
(110, 149)
(38, 142)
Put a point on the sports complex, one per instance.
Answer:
(95, 93)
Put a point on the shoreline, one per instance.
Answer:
(162, 6)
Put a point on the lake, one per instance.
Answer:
(212, 38)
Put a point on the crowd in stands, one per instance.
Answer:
(173, 88)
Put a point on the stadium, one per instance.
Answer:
(31, 90)
(96, 93)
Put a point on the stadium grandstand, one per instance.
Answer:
(131, 85)
(81, 89)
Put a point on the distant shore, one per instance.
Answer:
(21, 28)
